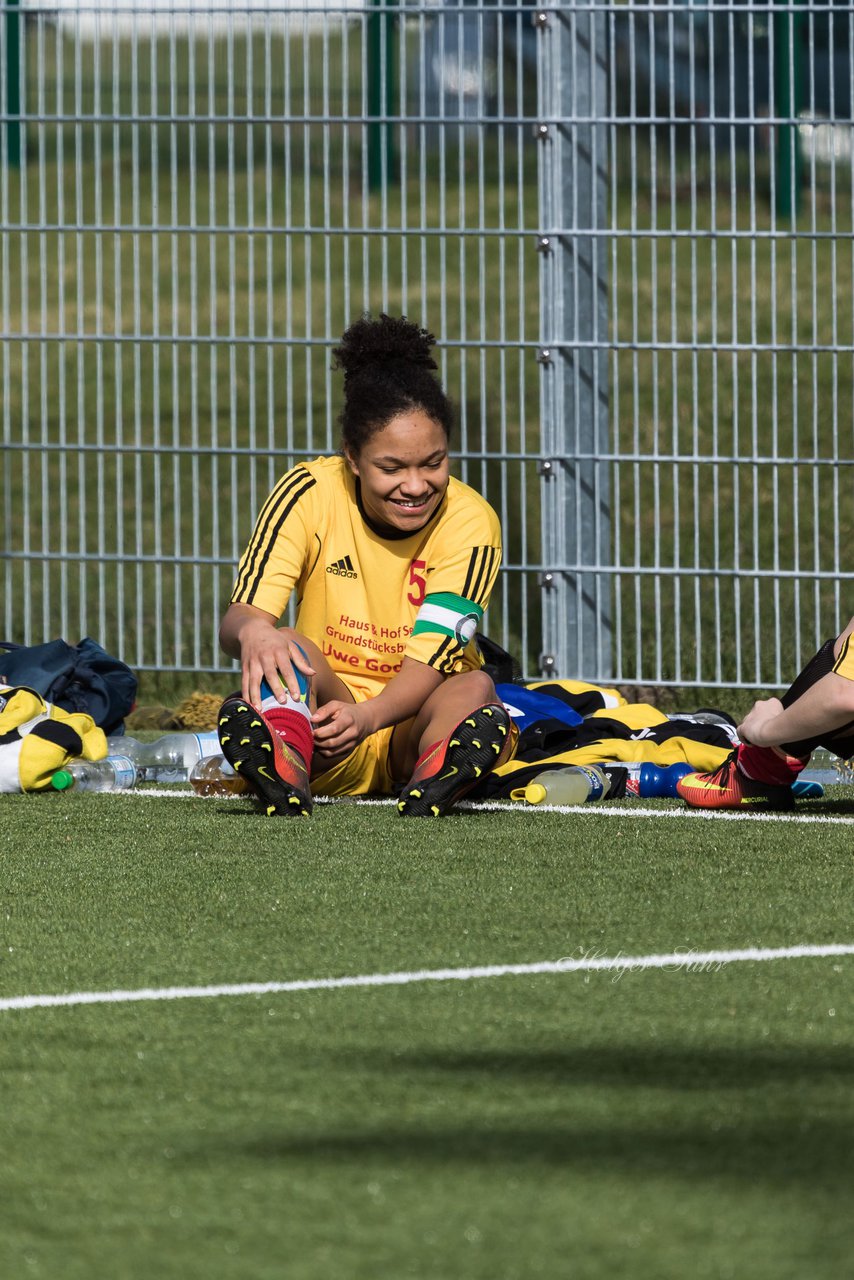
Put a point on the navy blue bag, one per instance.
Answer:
(81, 677)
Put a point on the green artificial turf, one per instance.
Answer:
(694, 1121)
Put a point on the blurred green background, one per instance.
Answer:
(193, 227)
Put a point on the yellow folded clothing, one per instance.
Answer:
(38, 738)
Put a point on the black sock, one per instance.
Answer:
(840, 741)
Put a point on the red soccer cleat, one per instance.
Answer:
(728, 788)
(446, 771)
(275, 771)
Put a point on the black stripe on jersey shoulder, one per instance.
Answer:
(444, 657)
(487, 567)
(479, 572)
(843, 654)
(275, 511)
(288, 490)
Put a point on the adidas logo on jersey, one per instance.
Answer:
(342, 568)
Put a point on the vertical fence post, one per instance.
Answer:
(576, 498)
(788, 79)
(381, 93)
(12, 105)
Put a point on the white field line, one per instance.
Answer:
(631, 810)
(688, 960)
(801, 816)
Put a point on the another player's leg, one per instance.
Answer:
(836, 656)
(481, 736)
(761, 777)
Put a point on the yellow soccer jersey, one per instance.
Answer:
(370, 599)
(844, 664)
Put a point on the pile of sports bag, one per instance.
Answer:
(58, 702)
(570, 722)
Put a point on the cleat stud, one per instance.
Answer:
(254, 724)
(266, 746)
(502, 729)
(224, 738)
(471, 720)
(496, 748)
(244, 741)
(415, 795)
(434, 809)
(455, 742)
(271, 810)
(475, 743)
(477, 771)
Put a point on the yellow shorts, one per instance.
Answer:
(844, 664)
(365, 770)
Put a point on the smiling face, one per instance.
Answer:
(404, 470)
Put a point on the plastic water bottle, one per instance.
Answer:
(214, 776)
(577, 784)
(645, 780)
(115, 773)
(170, 758)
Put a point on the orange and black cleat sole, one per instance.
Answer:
(471, 751)
(274, 771)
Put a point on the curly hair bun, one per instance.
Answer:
(383, 341)
(388, 371)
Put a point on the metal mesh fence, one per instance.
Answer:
(629, 226)
(731, 337)
(206, 197)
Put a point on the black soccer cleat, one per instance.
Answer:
(448, 770)
(273, 769)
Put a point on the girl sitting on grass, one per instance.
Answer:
(380, 683)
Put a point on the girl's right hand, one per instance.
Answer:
(270, 653)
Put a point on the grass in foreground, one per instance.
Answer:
(654, 1125)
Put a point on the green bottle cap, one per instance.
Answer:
(62, 780)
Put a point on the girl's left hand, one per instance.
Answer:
(339, 727)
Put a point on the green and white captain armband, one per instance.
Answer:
(444, 614)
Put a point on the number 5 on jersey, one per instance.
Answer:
(417, 582)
